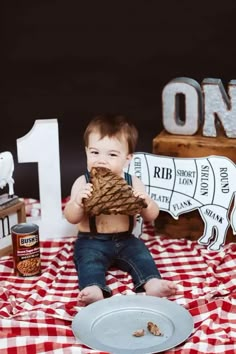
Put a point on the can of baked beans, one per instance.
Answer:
(26, 249)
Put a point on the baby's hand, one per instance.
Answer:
(84, 193)
(141, 195)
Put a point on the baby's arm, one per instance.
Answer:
(152, 211)
(74, 209)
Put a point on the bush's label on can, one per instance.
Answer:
(29, 241)
(26, 249)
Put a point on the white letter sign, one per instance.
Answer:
(41, 145)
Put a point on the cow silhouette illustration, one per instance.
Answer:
(181, 185)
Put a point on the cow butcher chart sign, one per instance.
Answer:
(181, 185)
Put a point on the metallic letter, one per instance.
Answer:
(218, 104)
(193, 106)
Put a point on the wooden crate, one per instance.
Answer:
(17, 208)
(190, 225)
(194, 146)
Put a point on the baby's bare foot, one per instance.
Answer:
(91, 294)
(160, 287)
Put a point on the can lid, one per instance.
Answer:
(24, 228)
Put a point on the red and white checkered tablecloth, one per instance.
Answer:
(36, 312)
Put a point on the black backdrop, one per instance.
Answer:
(71, 60)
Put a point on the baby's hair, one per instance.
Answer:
(113, 125)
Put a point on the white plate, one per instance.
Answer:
(108, 324)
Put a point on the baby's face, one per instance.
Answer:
(107, 152)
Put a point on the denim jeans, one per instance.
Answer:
(95, 254)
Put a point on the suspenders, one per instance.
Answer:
(92, 219)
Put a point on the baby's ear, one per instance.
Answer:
(128, 158)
